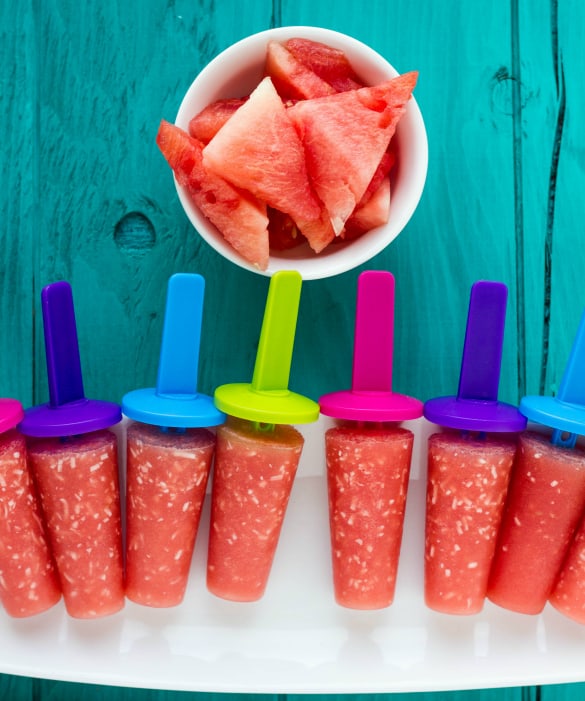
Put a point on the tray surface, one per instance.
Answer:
(296, 639)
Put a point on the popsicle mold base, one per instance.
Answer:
(297, 639)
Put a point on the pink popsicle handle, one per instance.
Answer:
(374, 332)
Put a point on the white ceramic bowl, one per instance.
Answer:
(236, 72)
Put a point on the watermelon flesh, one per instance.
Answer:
(568, 596)
(545, 501)
(253, 477)
(258, 149)
(205, 125)
(291, 78)
(29, 583)
(327, 62)
(167, 473)
(345, 137)
(298, 159)
(367, 482)
(77, 479)
(369, 215)
(466, 491)
(240, 217)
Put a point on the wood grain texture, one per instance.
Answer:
(87, 197)
(19, 205)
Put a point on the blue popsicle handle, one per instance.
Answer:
(179, 352)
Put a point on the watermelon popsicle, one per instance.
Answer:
(469, 464)
(74, 459)
(28, 578)
(546, 500)
(169, 454)
(368, 458)
(257, 455)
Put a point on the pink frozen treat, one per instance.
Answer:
(28, 578)
(74, 459)
(253, 477)
(169, 456)
(547, 497)
(368, 457)
(469, 464)
(78, 486)
(568, 595)
(466, 490)
(368, 470)
(545, 502)
(257, 455)
(167, 476)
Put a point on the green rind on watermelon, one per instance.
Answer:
(345, 137)
(238, 216)
(291, 78)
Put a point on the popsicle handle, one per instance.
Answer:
(572, 385)
(61, 344)
(374, 332)
(482, 351)
(179, 353)
(275, 346)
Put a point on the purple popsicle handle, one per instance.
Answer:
(61, 344)
(482, 350)
(374, 333)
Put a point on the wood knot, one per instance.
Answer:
(134, 234)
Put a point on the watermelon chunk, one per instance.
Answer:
(329, 63)
(372, 213)
(259, 149)
(345, 137)
(239, 217)
(205, 125)
(291, 78)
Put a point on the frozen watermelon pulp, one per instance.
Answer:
(309, 146)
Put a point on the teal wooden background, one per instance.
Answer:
(87, 197)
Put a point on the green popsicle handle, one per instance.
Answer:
(267, 399)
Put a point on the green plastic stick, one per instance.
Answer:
(267, 399)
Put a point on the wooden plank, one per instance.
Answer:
(551, 176)
(19, 203)
(463, 229)
(111, 221)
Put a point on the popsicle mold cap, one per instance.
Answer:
(267, 399)
(68, 412)
(564, 412)
(11, 414)
(476, 406)
(175, 402)
(371, 397)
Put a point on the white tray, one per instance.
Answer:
(296, 639)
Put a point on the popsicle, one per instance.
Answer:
(73, 456)
(547, 496)
(257, 454)
(28, 578)
(469, 464)
(368, 457)
(169, 455)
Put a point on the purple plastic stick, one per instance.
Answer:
(476, 406)
(61, 345)
(68, 412)
(484, 337)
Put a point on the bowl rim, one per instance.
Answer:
(341, 257)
